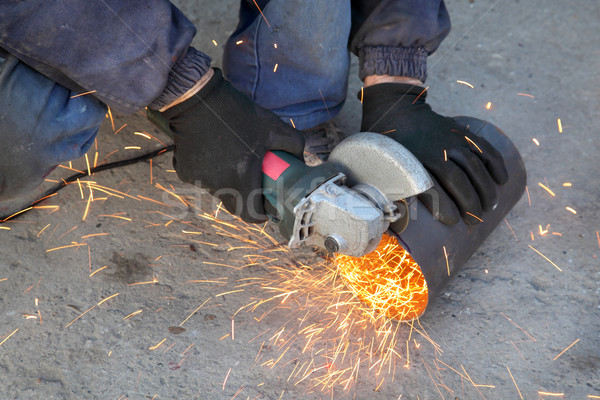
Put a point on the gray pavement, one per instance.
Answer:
(154, 300)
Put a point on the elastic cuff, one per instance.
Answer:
(395, 61)
(183, 76)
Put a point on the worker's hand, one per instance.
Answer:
(221, 137)
(42, 124)
(463, 166)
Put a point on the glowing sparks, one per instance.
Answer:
(275, 67)
(226, 376)
(546, 258)
(537, 142)
(474, 216)
(83, 94)
(488, 106)
(239, 42)
(526, 95)
(388, 279)
(569, 209)
(559, 123)
(550, 394)
(513, 379)
(133, 148)
(215, 42)
(261, 13)
(567, 184)
(562, 352)
(8, 337)
(132, 314)
(446, 257)
(80, 315)
(465, 83)
(546, 189)
(108, 298)
(474, 144)
(157, 345)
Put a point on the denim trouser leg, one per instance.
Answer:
(41, 126)
(294, 60)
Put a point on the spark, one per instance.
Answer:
(108, 298)
(511, 229)
(239, 42)
(488, 106)
(598, 237)
(528, 197)
(94, 235)
(465, 83)
(194, 312)
(87, 207)
(3, 279)
(513, 379)
(550, 394)
(215, 42)
(156, 346)
(275, 67)
(132, 314)
(559, 123)
(362, 94)
(232, 329)
(567, 184)
(446, 256)
(526, 95)
(17, 213)
(474, 144)
(292, 122)
(6, 338)
(546, 258)
(569, 209)
(83, 94)
(154, 280)
(388, 279)
(5, 228)
(474, 216)
(546, 189)
(80, 315)
(117, 131)
(67, 246)
(261, 13)
(133, 148)
(226, 376)
(562, 352)
(275, 45)
(112, 121)
(143, 134)
(591, 396)
(537, 142)
(420, 94)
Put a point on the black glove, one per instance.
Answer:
(465, 182)
(221, 137)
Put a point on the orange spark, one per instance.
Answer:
(562, 352)
(511, 229)
(80, 315)
(133, 148)
(546, 258)
(559, 123)
(6, 338)
(473, 143)
(275, 68)
(67, 246)
(513, 379)
(194, 312)
(112, 121)
(108, 298)
(142, 134)
(388, 279)
(488, 105)
(474, 216)
(567, 184)
(215, 42)
(261, 13)
(156, 346)
(133, 314)
(83, 94)
(226, 376)
(528, 197)
(98, 270)
(5, 228)
(525, 94)
(537, 142)
(154, 280)
(239, 42)
(571, 210)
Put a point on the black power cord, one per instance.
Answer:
(99, 168)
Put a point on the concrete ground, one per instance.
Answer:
(151, 299)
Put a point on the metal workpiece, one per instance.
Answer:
(381, 162)
(441, 250)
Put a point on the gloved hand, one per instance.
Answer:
(464, 183)
(221, 137)
(41, 126)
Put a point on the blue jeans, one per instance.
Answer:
(293, 59)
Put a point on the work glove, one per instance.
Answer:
(42, 125)
(463, 166)
(221, 137)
